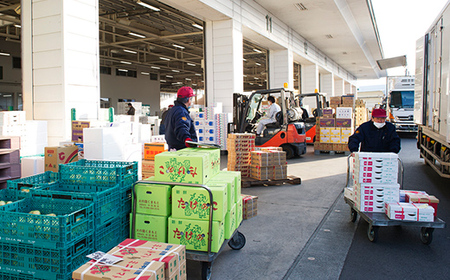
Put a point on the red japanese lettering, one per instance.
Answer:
(181, 204)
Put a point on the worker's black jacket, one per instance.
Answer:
(179, 126)
(373, 139)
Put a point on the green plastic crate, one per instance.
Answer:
(10, 195)
(74, 220)
(106, 199)
(23, 185)
(27, 261)
(98, 172)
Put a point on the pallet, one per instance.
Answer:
(318, 152)
(248, 182)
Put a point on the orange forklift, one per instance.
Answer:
(287, 132)
(310, 121)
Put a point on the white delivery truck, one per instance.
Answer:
(400, 103)
(432, 102)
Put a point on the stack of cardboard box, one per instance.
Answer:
(360, 112)
(250, 204)
(268, 163)
(180, 214)
(239, 147)
(148, 163)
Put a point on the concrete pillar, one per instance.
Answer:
(310, 78)
(224, 64)
(354, 90)
(339, 88)
(281, 69)
(348, 88)
(327, 84)
(61, 63)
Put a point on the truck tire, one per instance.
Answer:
(290, 153)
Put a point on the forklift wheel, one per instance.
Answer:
(289, 151)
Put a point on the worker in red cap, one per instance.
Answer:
(376, 135)
(178, 123)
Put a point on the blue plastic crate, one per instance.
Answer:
(74, 220)
(108, 235)
(97, 172)
(27, 261)
(106, 199)
(7, 195)
(23, 185)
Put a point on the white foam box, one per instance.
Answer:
(210, 124)
(344, 112)
(104, 143)
(410, 211)
(158, 139)
(377, 189)
(145, 133)
(200, 131)
(32, 165)
(199, 115)
(325, 131)
(199, 122)
(371, 206)
(374, 180)
(12, 117)
(201, 138)
(210, 132)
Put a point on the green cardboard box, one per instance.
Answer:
(230, 222)
(193, 203)
(193, 234)
(153, 199)
(213, 157)
(233, 176)
(150, 227)
(239, 210)
(228, 182)
(182, 167)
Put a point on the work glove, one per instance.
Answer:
(187, 144)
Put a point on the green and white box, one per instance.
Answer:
(194, 234)
(150, 227)
(194, 203)
(230, 222)
(178, 167)
(153, 199)
(239, 216)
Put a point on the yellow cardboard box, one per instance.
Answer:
(59, 155)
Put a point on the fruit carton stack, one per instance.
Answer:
(239, 147)
(268, 163)
(180, 214)
(360, 112)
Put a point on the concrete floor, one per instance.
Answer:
(303, 231)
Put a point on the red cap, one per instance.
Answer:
(184, 92)
(379, 113)
(170, 106)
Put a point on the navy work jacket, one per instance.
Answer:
(179, 126)
(373, 139)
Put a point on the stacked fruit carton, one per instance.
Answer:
(268, 163)
(180, 214)
(239, 147)
(360, 112)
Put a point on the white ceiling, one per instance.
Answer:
(354, 41)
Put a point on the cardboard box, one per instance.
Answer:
(344, 122)
(153, 199)
(335, 100)
(261, 172)
(328, 113)
(152, 149)
(213, 157)
(241, 136)
(423, 198)
(77, 130)
(250, 206)
(148, 166)
(335, 131)
(410, 212)
(260, 158)
(404, 192)
(181, 167)
(194, 234)
(325, 139)
(239, 215)
(236, 176)
(194, 203)
(278, 157)
(279, 172)
(230, 222)
(230, 183)
(327, 122)
(325, 131)
(150, 227)
(335, 139)
(59, 155)
(344, 113)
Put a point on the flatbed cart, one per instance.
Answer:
(236, 242)
(377, 220)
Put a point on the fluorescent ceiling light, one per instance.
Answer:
(187, 79)
(136, 34)
(145, 73)
(178, 46)
(155, 67)
(250, 83)
(194, 84)
(130, 51)
(258, 64)
(125, 62)
(7, 95)
(164, 58)
(244, 59)
(162, 81)
(256, 78)
(245, 75)
(258, 51)
(5, 54)
(148, 6)
(168, 76)
(123, 70)
(177, 71)
(18, 25)
(198, 74)
(191, 64)
(198, 26)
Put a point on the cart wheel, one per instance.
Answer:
(353, 215)
(372, 233)
(206, 270)
(426, 235)
(237, 242)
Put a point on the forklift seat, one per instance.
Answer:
(279, 118)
